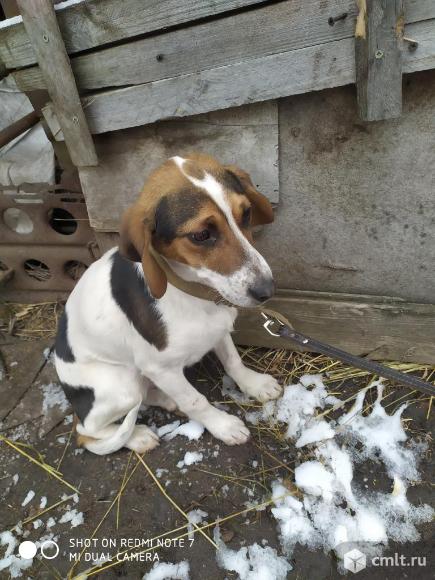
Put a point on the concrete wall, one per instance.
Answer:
(357, 200)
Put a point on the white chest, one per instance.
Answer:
(194, 326)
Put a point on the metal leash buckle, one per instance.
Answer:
(268, 322)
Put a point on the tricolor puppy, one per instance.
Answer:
(127, 334)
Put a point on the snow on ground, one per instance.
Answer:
(251, 562)
(53, 396)
(190, 458)
(192, 430)
(30, 495)
(195, 517)
(332, 510)
(73, 516)
(167, 571)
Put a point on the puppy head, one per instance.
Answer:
(198, 214)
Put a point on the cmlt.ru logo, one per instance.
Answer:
(354, 561)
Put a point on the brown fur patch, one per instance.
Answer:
(83, 440)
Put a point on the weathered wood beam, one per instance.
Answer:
(43, 31)
(373, 326)
(378, 58)
(281, 27)
(269, 29)
(313, 68)
(91, 23)
(18, 127)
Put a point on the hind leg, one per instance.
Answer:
(157, 398)
(117, 391)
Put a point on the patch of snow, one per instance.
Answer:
(190, 458)
(37, 524)
(192, 430)
(53, 397)
(15, 478)
(319, 431)
(73, 516)
(30, 495)
(168, 571)
(168, 428)
(194, 517)
(50, 523)
(43, 502)
(251, 562)
(331, 511)
(13, 364)
(10, 21)
(160, 471)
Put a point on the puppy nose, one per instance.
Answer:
(263, 289)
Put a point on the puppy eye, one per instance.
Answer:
(200, 237)
(246, 217)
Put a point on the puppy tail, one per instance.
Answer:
(117, 440)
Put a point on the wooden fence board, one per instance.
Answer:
(373, 326)
(92, 23)
(294, 72)
(297, 71)
(43, 31)
(378, 58)
(268, 30)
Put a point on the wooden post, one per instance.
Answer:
(17, 128)
(378, 58)
(42, 28)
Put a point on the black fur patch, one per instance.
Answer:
(81, 400)
(62, 346)
(175, 210)
(131, 293)
(231, 181)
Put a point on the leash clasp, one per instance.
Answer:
(269, 322)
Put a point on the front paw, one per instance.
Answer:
(229, 429)
(261, 387)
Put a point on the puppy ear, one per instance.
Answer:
(136, 236)
(262, 211)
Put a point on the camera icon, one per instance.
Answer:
(49, 549)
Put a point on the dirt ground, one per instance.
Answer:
(222, 484)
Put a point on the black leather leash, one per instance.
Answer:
(285, 330)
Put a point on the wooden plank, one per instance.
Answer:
(417, 10)
(17, 128)
(380, 328)
(246, 135)
(261, 79)
(268, 30)
(42, 28)
(298, 71)
(92, 23)
(423, 57)
(281, 27)
(378, 58)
